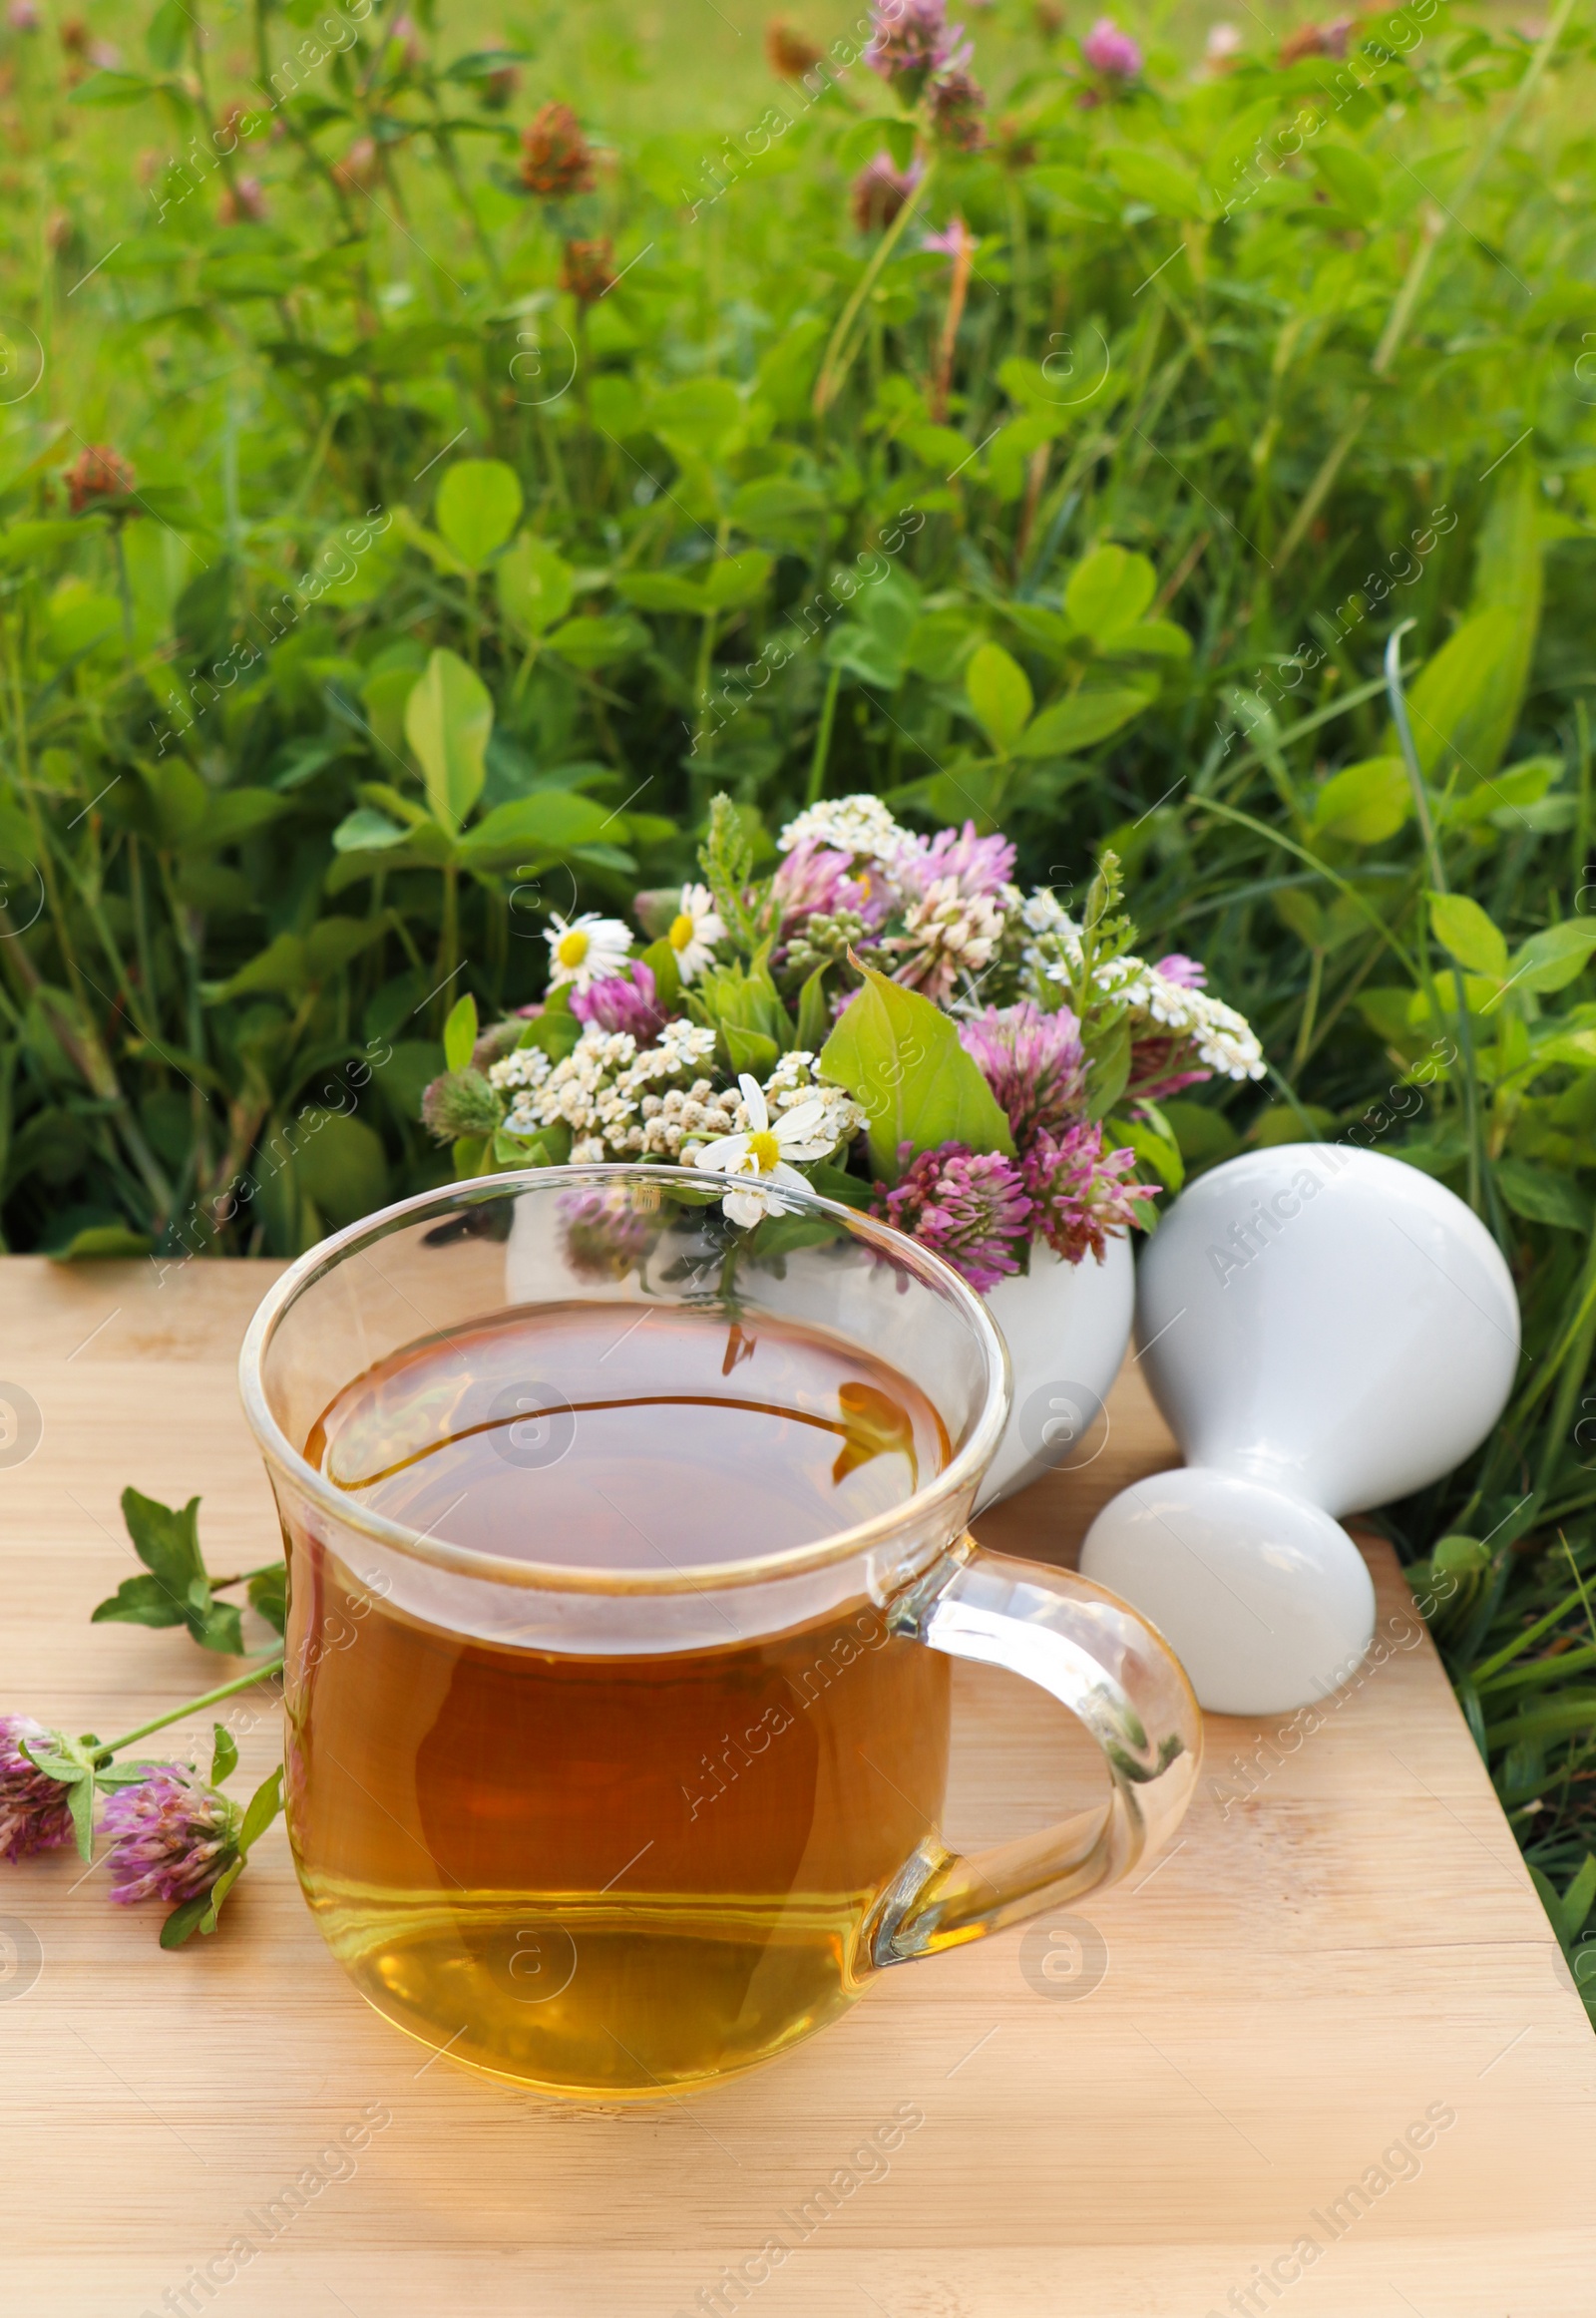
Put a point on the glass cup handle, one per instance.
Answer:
(1109, 1667)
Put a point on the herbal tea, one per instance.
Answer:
(613, 1874)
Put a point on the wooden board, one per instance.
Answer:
(1344, 1942)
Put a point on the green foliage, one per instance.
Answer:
(900, 1059)
(180, 1590)
(443, 600)
(448, 722)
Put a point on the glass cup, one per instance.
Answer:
(616, 1831)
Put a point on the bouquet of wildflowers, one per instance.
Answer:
(886, 1017)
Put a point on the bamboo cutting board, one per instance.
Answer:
(1326, 2055)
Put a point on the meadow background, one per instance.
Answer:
(708, 474)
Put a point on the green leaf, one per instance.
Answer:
(1160, 1152)
(140, 1602)
(1077, 721)
(716, 587)
(834, 1182)
(99, 1243)
(1506, 799)
(365, 830)
(225, 1754)
(343, 1165)
(1542, 1196)
(1306, 918)
(167, 1541)
(1150, 640)
(479, 506)
(263, 1809)
(292, 965)
(660, 960)
(334, 941)
(555, 1031)
(1001, 695)
(663, 592)
(704, 414)
(860, 652)
(1108, 1074)
(235, 815)
(1352, 180)
(268, 1595)
(1465, 701)
(1203, 1134)
(168, 33)
(1173, 191)
(217, 1626)
(814, 1012)
(1366, 803)
(185, 1920)
(1550, 960)
(534, 584)
(460, 1034)
(550, 821)
(1462, 926)
(65, 1767)
(598, 641)
(901, 138)
(1109, 589)
(899, 1057)
(438, 552)
(737, 580)
(448, 722)
(1578, 1900)
(113, 88)
(750, 1051)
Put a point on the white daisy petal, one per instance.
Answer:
(585, 950)
(802, 1120)
(723, 1156)
(694, 931)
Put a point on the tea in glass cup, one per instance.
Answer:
(625, 1561)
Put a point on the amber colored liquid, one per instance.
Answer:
(613, 1875)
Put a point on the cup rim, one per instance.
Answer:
(964, 1471)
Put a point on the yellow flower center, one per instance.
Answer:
(681, 931)
(765, 1151)
(571, 948)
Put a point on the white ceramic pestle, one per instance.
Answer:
(1325, 1330)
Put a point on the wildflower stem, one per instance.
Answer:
(834, 368)
(817, 763)
(266, 1668)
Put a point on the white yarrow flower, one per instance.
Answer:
(586, 950)
(858, 824)
(760, 1159)
(1044, 913)
(1224, 1039)
(694, 931)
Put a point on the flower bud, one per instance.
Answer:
(556, 159)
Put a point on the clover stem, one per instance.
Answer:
(268, 1666)
(834, 369)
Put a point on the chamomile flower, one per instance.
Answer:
(694, 931)
(586, 950)
(761, 1158)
